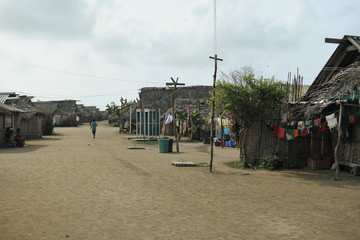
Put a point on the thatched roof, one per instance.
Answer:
(345, 82)
(160, 98)
(62, 107)
(344, 55)
(338, 80)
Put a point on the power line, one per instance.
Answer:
(31, 65)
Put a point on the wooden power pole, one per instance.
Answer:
(174, 83)
(213, 113)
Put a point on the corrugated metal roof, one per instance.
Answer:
(3, 97)
(7, 108)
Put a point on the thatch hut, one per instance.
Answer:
(8, 119)
(88, 113)
(62, 113)
(336, 90)
(336, 85)
(29, 119)
(159, 99)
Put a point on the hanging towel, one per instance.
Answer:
(168, 119)
(317, 122)
(330, 117)
(331, 121)
(290, 134)
(304, 133)
(281, 133)
(296, 133)
(301, 125)
(323, 127)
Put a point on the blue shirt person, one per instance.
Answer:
(93, 126)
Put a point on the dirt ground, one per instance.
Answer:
(71, 186)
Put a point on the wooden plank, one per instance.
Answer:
(184, 164)
(333, 40)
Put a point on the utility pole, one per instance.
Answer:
(174, 83)
(213, 113)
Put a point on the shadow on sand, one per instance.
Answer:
(323, 177)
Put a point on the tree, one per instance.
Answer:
(248, 98)
(112, 108)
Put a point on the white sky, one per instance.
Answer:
(97, 51)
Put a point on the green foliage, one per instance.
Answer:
(112, 108)
(123, 101)
(272, 162)
(240, 165)
(48, 127)
(247, 98)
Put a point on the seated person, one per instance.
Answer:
(20, 142)
(8, 134)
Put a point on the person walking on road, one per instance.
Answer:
(93, 126)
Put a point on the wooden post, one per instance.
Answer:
(336, 152)
(174, 83)
(212, 113)
(130, 120)
(222, 132)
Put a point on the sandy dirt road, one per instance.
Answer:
(71, 186)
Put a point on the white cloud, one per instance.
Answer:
(147, 42)
(46, 19)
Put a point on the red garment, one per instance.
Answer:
(275, 129)
(352, 119)
(296, 133)
(323, 127)
(281, 133)
(304, 132)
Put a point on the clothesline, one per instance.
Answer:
(304, 128)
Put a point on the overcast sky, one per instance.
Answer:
(98, 51)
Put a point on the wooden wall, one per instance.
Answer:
(261, 142)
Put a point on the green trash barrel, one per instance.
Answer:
(163, 145)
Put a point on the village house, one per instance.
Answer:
(312, 133)
(158, 100)
(335, 94)
(8, 119)
(21, 113)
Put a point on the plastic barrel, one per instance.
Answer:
(163, 145)
(171, 141)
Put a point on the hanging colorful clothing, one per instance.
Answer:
(331, 121)
(296, 133)
(301, 125)
(304, 132)
(317, 122)
(281, 133)
(290, 134)
(323, 127)
(168, 119)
